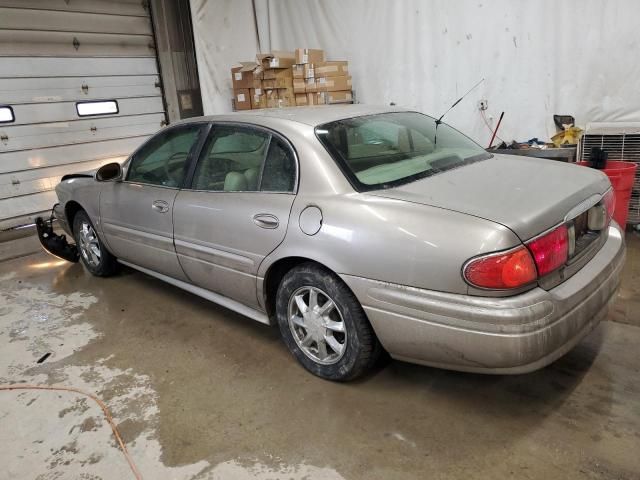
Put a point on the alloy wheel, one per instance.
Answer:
(89, 244)
(317, 325)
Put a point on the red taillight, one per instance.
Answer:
(517, 267)
(551, 250)
(511, 269)
(610, 203)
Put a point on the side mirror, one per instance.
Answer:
(111, 172)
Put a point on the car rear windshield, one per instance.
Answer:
(391, 149)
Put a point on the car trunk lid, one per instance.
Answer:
(527, 195)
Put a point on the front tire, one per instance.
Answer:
(323, 324)
(93, 254)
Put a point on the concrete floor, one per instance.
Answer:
(199, 392)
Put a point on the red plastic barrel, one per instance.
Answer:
(621, 175)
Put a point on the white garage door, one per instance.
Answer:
(54, 54)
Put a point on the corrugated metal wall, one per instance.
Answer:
(54, 53)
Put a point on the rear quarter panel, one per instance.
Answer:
(391, 240)
(378, 238)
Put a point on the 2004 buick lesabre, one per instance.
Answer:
(358, 229)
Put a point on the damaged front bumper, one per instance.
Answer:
(53, 243)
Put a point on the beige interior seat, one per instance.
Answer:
(235, 182)
(252, 178)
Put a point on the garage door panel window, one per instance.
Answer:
(6, 114)
(164, 159)
(100, 107)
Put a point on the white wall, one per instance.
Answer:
(224, 33)
(538, 58)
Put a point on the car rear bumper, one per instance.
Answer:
(493, 335)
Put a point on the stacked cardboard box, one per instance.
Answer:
(277, 78)
(284, 79)
(318, 81)
(244, 78)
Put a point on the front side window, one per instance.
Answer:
(164, 159)
(389, 149)
(244, 159)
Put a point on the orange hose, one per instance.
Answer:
(100, 403)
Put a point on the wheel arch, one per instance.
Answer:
(276, 272)
(71, 209)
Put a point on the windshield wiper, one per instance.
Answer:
(439, 121)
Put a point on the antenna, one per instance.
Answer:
(439, 120)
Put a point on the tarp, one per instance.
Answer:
(538, 58)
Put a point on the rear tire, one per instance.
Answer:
(323, 324)
(93, 254)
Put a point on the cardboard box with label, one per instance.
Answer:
(309, 55)
(308, 70)
(282, 79)
(244, 75)
(287, 97)
(271, 97)
(331, 69)
(333, 84)
(242, 99)
(258, 98)
(276, 59)
(297, 71)
(277, 78)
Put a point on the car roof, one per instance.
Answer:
(313, 116)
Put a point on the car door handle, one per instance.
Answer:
(160, 206)
(266, 220)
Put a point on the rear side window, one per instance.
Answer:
(244, 159)
(231, 160)
(279, 172)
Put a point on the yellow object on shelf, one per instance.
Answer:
(570, 136)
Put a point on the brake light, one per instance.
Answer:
(502, 271)
(551, 250)
(610, 203)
